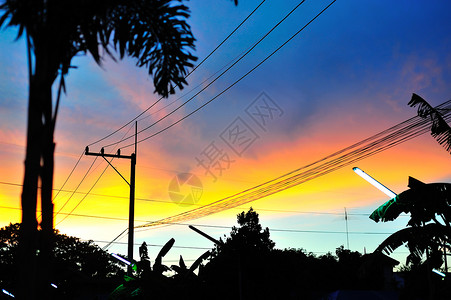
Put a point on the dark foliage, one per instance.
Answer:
(154, 33)
(246, 265)
(150, 282)
(249, 266)
(440, 130)
(78, 266)
(428, 229)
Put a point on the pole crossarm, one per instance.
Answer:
(107, 155)
(104, 155)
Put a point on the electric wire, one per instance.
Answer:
(84, 177)
(230, 86)
(189, 73)
(217, 47)
(114, 240)
(223, 227)
(162, 97)
(70, 174)
(202, 83)
(154, 245)
(286, 230)
(100, 195)
(189, 204)
(219, 76)
(202, 225)
(390, 134)
(65, 181)
(382, 141)
(84, 197)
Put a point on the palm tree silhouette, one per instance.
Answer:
(152, 32)
(429, 228)
(440, 130)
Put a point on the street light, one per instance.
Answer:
(222, 245)
(131, 265)
(438, 272)
(374, 182)
(7, 293)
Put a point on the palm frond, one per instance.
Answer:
(423, 202)
(198, 261)
(182, 263)
(158, 37)
(388, 211)
(417, 239)
(154, 33)
(440, 130)
(396, 240)
(164, 250)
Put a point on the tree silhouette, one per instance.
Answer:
(74, 263)
(249, 237)
(154, 33)
(238, 267)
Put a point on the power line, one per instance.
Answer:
(83, 180)
(151, 106)
(382, 141)
(70, 174)
(138, 220)
(172, 89)
(197, 204)
(222, 74)
(261, 39)
(230, 86)
(84, 197)
(220, 227)
(99, 195)
(82, 215)
(238, 208)
(287, 230)
(202, 83)
(162, 97)
(189, 204)
(86, 174)
(217, 47)
(154, 245)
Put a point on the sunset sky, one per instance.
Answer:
(345, 77)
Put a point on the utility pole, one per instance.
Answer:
(347, 232)
(131, 215)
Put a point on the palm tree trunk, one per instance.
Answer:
(46, 197)
(34, 269)
(28, 229)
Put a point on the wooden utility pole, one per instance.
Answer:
(347, 232)
(131, 215)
